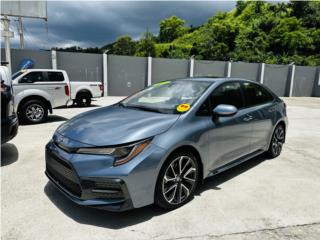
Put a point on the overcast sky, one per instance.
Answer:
(92, 23)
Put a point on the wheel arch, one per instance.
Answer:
(34, 97)
(84, 90)
(196, 154)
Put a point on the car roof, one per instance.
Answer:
(215, 79)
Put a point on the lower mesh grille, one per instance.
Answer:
(63, 173)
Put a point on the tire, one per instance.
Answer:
(179, 187)
(33, 111)
(277, 140)
(83, 99)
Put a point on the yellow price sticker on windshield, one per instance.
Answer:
(183, 107)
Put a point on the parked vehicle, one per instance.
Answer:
(157, 145)
(38, 91)
(9, 120)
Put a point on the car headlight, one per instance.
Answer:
(121, 154)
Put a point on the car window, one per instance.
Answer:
(255, 94)
(204, 109)
(228, 93)
(55, 77)
(32, 77)
(167, 96)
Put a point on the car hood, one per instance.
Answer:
(115, 125)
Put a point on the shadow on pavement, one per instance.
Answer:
(101, 218)
(98, 217)
(56, 118)
(51, 118)
(9, 154)
(75, 106)
(214, 181)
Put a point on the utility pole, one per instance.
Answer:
(6, 34)
(20, 31)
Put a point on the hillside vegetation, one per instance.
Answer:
(257, 31)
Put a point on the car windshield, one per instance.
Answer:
(167, 97)
(17, 74)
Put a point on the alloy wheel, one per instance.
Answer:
(35, 112)
(278, 140)
(179, 180)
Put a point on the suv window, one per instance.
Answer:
(228, 93)
(55, 77)
(32, 77)
(255, 94)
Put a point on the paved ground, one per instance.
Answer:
(261, 199)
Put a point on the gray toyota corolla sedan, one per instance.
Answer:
(157, 145)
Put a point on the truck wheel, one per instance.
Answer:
(83, 99)
(33, 111)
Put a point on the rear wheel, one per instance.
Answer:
(277, 141)
(83, 99)
(177, 181)
(33, 111)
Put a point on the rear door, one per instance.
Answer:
(261, 108)
(230, 137)
(57, 85)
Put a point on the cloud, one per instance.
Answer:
(91, 23)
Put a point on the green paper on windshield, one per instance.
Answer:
(162, 83)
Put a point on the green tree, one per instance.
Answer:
(171, 28)
(124, 46)
(307, 11)
(146, 46)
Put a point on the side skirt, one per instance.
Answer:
(235, 163)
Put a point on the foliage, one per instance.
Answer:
(146, 46)
(171, 28)
(255, 31)
(124, 46)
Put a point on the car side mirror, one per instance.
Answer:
(224, 110)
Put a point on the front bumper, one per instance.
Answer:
(92, 180)
(9, 128)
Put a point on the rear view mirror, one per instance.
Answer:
(224, 110)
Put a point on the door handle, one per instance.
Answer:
(248, 118)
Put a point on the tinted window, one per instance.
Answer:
(55, 77)
(32, 77)
(255, 94)
(228, 93)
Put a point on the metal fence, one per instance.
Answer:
(124, 75)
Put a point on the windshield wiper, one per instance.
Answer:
(143, 108)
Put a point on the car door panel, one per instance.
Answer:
(261, 126)
(57, 87)
(230, 139)
(261, 107)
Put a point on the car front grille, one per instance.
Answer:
(63, 174)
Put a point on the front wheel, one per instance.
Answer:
(33, 111)
(277, 141)
(177, 180)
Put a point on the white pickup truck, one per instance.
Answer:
(38, 91)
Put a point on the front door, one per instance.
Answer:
(230, 137)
